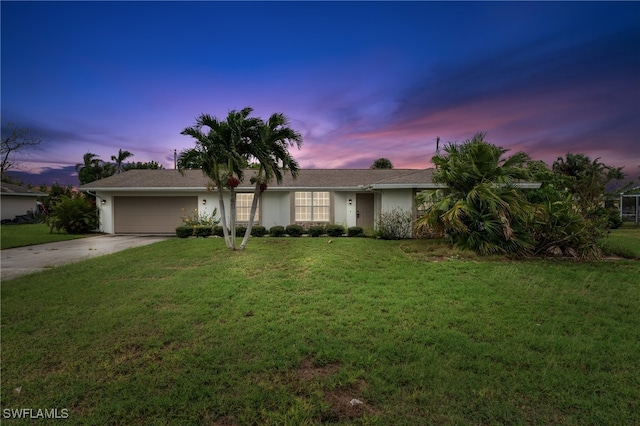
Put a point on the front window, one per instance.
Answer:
(243, 208)
(312, 206)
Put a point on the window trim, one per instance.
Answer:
(313, 220)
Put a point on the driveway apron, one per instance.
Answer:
(26, 260)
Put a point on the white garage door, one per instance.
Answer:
(151, 215)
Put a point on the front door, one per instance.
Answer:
(364, 210)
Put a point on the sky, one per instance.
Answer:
(359, 80)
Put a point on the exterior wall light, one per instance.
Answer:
(350, 201)
(103, 202)
(204, 202)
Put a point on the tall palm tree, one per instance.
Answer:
(480, 209)
(269, 147)
(222, 153)
(119, 159)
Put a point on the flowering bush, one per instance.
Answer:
(200, 219)
(198, 224)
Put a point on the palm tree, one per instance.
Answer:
(222, 154)
(92, 168)
(269, 148)
(119, 159)
(480, 209)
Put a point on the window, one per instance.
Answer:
(312, 206)
(243, 208)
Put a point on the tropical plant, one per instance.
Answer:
(93, 168)
(221, 152)
(480, 209)
(269, 148)
(75, 215)
(119, 159)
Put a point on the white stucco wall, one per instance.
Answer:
(276, 209)
(397, 198)
(14, 205)
(344, 214)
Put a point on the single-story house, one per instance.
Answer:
(154, 201)
(17, 200)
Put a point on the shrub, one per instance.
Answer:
(240, 230)
(74, 215)
(294, 230)
(202, 231)
(394, 224)
(218, 231)
(183, 231)
(355, 231)
(316, 231)
(335, 230)
(258, 231)
(276, 231)
(195, 218)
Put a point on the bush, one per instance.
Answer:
(218, 231)
(202, 231)
(73, 215)
(258, 231)
(316, 231)
(240, 230)
(394, 224)
(277, 231)
(294, 230)
(335, 230)
(355, 231)
(183, 231)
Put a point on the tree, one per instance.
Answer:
(382, 163)
(93, 168)
(153, 165)
(119, 159)
(222, 153)
(480, 209)
(15, 140)
(269, 148)
(586, 180)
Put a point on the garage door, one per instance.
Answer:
(150, 215)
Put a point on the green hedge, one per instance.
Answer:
(316, 231)
(335, 230)
(294, 230)
(277, 231)
(355, 231)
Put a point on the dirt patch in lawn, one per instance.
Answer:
(344, 403)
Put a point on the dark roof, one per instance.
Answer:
(145, 179)
(10, 189)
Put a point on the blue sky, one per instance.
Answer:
(359, 80)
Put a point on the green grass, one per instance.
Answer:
(624, 242)
(292, 329)
(30, 234)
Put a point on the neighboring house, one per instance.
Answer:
(153, 201)
(17, 200)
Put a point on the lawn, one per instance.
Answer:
(623, 241)
(296, 330)
(30, 234)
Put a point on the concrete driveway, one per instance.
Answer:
(27, 260)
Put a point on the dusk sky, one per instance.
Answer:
(359, 80)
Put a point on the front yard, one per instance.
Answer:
(298, 331)
(30, 234)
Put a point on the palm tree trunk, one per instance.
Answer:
(223, 217)
(232, 207)
(254, 208)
